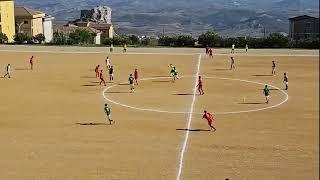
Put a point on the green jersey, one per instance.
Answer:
(266, 91)
(107, 110)
(285, 78)
(131, 80)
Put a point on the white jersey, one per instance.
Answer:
(233, 46)
(8, 68)
(108, 62)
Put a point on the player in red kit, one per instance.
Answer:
(211, 53)
(200, 86)
(31, 63)
(136, 76)
(97, 71)
(210, 119)
(102, 79)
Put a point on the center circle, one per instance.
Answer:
(167, 79)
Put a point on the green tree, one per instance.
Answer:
(39, 38)
(21, 38)
(211, 39)
(3, 38)
(59, 38)
(81, 36)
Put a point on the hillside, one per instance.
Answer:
(152, 17)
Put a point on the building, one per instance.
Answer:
(66, 29)
(48, 28)
(104, 28)
(29, 21)
(304, 27)
(7, 19)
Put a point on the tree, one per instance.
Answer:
(59, 38)
(81, 36)
(211, 39)
(3, 38)
(21, 38)
(134, 39)
(39, 38)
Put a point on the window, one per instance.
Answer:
(25, 22)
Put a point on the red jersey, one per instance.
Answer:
(31, 60)
(97, 69)
(200, 83)
(208, 116)
(136, 75)
(210, 51)
(101, 76)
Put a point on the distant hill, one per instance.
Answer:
(153, 17)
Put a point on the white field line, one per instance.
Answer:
(154, 53)
(286, 98)
(185, 143)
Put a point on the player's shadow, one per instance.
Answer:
(162, 81)
(262, 75)
(21, 69)
(183, 94)
(251, 103)
(89, 85)
(272, 89)
(194, 130)
(88, 77)
(92, 124)
(222, 69)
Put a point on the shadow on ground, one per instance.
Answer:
(194, 130)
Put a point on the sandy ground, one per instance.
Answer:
(45, 116)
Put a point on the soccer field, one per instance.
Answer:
(52, 123)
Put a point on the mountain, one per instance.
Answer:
(153, 17)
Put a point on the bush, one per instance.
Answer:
(177, 41)
(21, 38)
(59, 38)
(3, 38)
(81, 36)
(39, 38)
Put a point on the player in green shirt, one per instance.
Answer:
(266, 93)
(131, 83)
(285, 80)
(107, 111)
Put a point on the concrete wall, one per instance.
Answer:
(37, 26)
(7, 18)
(48, 29)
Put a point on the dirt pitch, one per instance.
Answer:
(52, 124)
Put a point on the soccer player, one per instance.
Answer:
(173, 72)
(247, 47)
(131, 83)
(285, 80)
(200, 86)
(210, 120)
(266, 93)
(111, 73)
(108, 63)
(233, 47)
(31, 63)
(97, 71)
(232, 66)
(102, 79)
(8, 70)
(107, 111)
(124, 48)
(211, 53)
(136, 76)
(273, 68)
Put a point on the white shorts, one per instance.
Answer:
(131, 85)
(286, 83)
(109, 117)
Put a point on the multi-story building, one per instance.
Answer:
(304, 27)
(7, 19)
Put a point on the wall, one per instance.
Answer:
(111, 32)
(305, 29)
(25, 27)
(48, 29)
(37, 27)
(7, 18)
